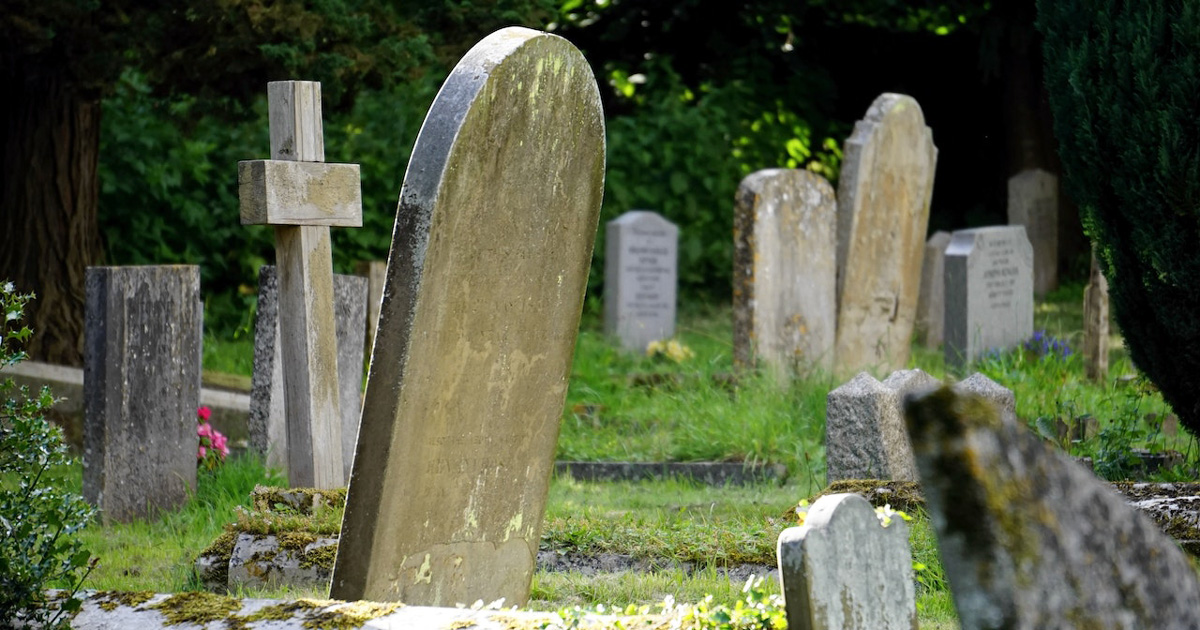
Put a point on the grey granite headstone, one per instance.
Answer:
(477, 327)
(141, 388)
(844, 570)
(989, 292)
(864, 430)
(784, 271)
(1001, 397)
(641, 257)
(267, 423)
(1033, 203)
(1029, 538)
(884, 193)
(931, 302)
(1095, 324)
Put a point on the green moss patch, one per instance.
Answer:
(197, 607)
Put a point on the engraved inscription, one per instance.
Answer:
(647, 260)
(1000, 272)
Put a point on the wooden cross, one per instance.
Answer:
(302, 196)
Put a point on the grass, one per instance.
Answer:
(623, 406)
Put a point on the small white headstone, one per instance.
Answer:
(844, 570)
(640, 270)
(989, 292)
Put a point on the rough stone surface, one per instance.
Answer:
(1001, 397)
(864, 430)
(141, 388)
(710, 473)
(989, 292)
(477, 328)
(1095, 324)
(785, 272)
(1029, 539)
(931, 301)
(843, 570)
(260, 562)
(884, 192)
(641, 257)
(1033, 203)
(267, 421)
(375, 271)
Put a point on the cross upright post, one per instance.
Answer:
(302, 196)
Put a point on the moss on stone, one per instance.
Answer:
(351, 615)
(321, 558)
(901, 495)
(295, 541)
(111, 600)
(197, 607)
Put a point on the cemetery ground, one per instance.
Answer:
(687, 404)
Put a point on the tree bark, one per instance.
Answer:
(49, 233)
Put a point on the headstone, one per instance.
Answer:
(1001, 397)
(883, 213)
(141, 388)
(302, 197)
(1029, 538)
(784, 271)
(486, 280)
(1095, 324)
(844, 570)
(1033, 203)
(375, 272)
(267, 425)
(989, 292)
(641, 255)
(864, 429)
(931, 301)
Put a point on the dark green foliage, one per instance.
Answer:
(1123, 79)
(38, 520)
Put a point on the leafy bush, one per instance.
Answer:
(1122, 79)
(38, 521)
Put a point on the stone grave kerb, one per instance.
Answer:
(301, 196)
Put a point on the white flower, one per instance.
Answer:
(12, 315)
(8, 287)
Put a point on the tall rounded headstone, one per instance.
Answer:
(883, 212)
(477, 327)
(1033, 203)
(784, 271)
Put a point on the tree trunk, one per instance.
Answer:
(49, 234)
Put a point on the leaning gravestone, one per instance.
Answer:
(1030, 539)
(784, 271)
(141, 380)
(266, 423)
(931, 301)
(1095, 324)
(883, 212)
(989, 292)
(1033, 203)
(641, 255)
(486, 280)
(302, 196)
(845, 570)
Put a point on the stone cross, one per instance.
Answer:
(302, 197)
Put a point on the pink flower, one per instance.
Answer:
(205, 430)
(218, 444)
(205, 413)
(203, 452)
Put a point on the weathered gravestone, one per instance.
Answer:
(1095, 324)
(486, 280)
(845, 570)
(784, 271)
(864, 431)
(141, 388)
(267, 420)
(931, 301)
(302, 197)
(864, 424)
(989, 292)
(641, 255)
(883, 212)
(1033, 203)
(375, 272)
(1030, 539)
